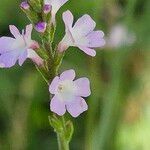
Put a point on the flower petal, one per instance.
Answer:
(27, 36)
(57, 106)
(76, 107)
(9, 59)
(23, 57)
(62, 2)
(6, 44)
(28, 32)
(88, 51)
(83, 26)
(54, 85)
(56, 4)
(2, 65)
(68, 75)
(68, 18)
(14, 31)
(66, 41)
(95, 39)
(83, 87)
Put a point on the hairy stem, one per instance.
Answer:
(63, 143)
(58, 123)
(63, 129)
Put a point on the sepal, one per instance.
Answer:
(69, 130)
(55, 123)
(32, 16)
(36, 5)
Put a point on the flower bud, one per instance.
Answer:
(47, 8)
(46, 15)
(24, 5)
(41, 27)
(31, 14)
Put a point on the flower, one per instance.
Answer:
(56, 4)
(41, 27)
(68, 94)
(81, 35)
(18, 48)
(120, 36)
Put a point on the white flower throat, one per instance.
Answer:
(66, 90)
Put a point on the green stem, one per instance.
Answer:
(63, 143)
(58, 123)
(63, 129)
(60, 128)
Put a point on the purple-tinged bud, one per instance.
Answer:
(47, 8)
(25, 5)
(41, 27)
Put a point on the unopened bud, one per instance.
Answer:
(24, 5)
(47, 8)
(41, 27)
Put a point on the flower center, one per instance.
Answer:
(60, 88)
(66, 90)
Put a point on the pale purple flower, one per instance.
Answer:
(25, 5)
(68, 94)
(41, 27)
(120, 36)
(18, 48)
(56, 4)
(81, 35)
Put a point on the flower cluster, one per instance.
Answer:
(68, 93)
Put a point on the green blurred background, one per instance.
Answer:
(119, 107)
